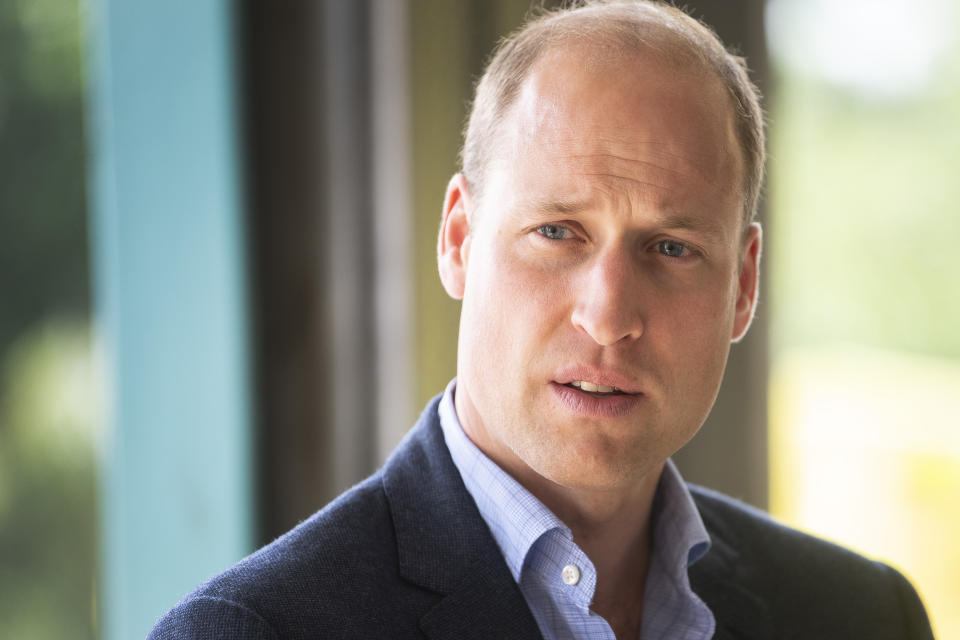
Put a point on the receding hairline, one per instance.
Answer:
(654, 30)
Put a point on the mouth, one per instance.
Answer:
(598, 380)
(595, 389)
(589, 399)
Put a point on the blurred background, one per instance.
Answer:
(219, 307)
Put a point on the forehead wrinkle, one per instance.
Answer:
(689, 167)
(662, 188)
(655, 186)
(558, 205)
(616, 177)
(625, 159)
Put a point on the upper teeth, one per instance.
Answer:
(596, 388)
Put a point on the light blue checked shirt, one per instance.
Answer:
(538, 547)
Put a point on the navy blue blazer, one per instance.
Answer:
(406, 554)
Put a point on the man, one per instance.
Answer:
(601, 237)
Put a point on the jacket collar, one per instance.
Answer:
(717, 578)
(443, 543)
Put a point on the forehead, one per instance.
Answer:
(588, 118)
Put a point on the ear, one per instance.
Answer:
(748, 282)
(453, 245)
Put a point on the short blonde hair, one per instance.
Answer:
(647, 26)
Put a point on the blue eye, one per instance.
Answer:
(553, 231)
(672, 249)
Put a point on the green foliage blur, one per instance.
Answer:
(864, 193)
(47, 468)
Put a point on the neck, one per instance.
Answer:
(611, 524)
(621, 562)
(613, 529)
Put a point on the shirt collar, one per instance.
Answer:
(679, 536)
(517, 519)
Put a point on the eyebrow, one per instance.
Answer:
(669, 220)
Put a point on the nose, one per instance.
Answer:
(609, 299)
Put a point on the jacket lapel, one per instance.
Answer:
(740, 613)
(443, 543)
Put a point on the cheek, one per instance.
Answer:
(512, 316)
(491, 316)
(692, 330)
(708, 309)
(707, 332)
(515, 291)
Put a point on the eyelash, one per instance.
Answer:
(554, 228)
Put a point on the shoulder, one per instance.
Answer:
(336, 574)
(807, 586)
(340, 562)
(744, 526)
(755, 537)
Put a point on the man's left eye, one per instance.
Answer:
(672, 249)
(553, 231)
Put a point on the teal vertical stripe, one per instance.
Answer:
(168, 246)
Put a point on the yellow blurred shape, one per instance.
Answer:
(865, 451)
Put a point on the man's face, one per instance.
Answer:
(608, 250)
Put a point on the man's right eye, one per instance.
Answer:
(553, 231)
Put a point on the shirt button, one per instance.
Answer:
(571, 574)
